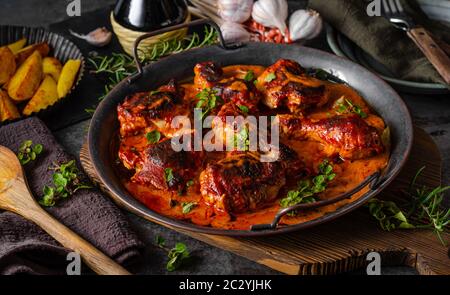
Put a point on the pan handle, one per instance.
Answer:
(138, 40)
(372, 179)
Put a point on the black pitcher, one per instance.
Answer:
(150, 15)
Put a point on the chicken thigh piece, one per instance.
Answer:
(209, 77)
(241, 182)
(286, 84)
(349, 136)
(147, 111)
(167, 169)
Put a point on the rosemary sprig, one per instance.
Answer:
(424, 211)
(173, 46)
(119, 66)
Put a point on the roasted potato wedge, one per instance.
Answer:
(24, 53)
(26, 80)
(8, 111)
(45, 96)
(18, 45)
(68, 76)
(7, 64)
(51, 66)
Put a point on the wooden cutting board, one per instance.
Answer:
(343, 244)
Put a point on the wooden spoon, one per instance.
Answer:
(16, 197)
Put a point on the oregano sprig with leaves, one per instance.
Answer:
(66, 182)
(29, 152)
(308, 188)
(177, 255)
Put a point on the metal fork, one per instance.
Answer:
(394, 12)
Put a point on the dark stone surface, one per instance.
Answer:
(429, 112)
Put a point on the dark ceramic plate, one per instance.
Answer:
(342, 46)
(384, 100)
(60, 48)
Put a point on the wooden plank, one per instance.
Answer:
(342, 245)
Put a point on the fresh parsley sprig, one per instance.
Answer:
(307, 189)
(29, 152)
(66, 182)
(153, 136)
(178, 255)
(207, 100)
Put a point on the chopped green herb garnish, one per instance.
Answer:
(177, 255)
(168, 174)
(66, 182)
(190, 183)
(307, 189)
(28, 152)
(188, 206)
(243, 109)
(154, 92)
(153, 136)
(207, 100)
(356, 109)
(347, 106)
(242, 139)
(249, 76)
(270, 77)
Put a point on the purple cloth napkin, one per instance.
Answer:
(24, 247)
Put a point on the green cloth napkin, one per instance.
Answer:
(379, 38)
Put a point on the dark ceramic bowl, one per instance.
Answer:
(383, 99)
(60, 48)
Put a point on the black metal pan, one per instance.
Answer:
(383, 99)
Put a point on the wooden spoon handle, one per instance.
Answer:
(432, 51)
(95, 259)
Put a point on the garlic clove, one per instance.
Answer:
(234, 33)
(271, 13)
(305, 24)
(99, 37)
(236, 11)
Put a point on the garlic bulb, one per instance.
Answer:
(305, 24)
(99, 37)
(271, 13)
(234, 33)
(236, 11)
